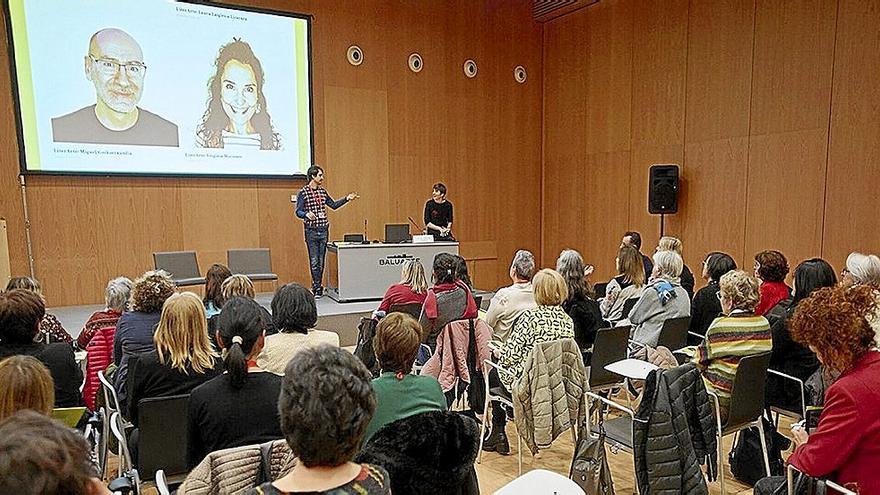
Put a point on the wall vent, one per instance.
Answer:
(547, 10)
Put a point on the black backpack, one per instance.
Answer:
(747, 458)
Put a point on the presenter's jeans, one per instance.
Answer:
(316, 241)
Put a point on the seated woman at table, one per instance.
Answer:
(737, 334)
(845, 447)
(412, 288)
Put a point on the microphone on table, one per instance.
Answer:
(366, 239)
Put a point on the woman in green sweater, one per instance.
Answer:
(400, 394)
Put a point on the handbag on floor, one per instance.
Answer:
(589, 467)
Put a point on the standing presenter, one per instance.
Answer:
(311, 206)
(438, 214)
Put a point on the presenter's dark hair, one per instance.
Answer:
(636, 239)
(20, 314)
(240, 318)
(440, 187)
(209, 133)
(312, 172)
(445, 267)
(810, 275)
(213, 282)
(325, 405)
(717, 264)
(293, 309)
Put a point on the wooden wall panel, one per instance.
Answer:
(379, 129)
(852, 202)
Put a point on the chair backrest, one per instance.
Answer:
(249, 261)
(479, 301)
(628, 306)
(599, 289)
(674, 333)
(412, 309)
(181, 265)
(610, 346)
(163, 433)
(747, 396)
(111, 400)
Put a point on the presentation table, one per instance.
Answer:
(363, 272)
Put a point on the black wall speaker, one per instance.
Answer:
(663, 189)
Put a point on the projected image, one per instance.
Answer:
(160, 87)
(115, 66)
(237, 115)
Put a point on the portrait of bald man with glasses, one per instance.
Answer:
(115, 65)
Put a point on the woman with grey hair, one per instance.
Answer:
(116, 300)
(662, 299)
(580, 305)
(508, 302)
(864, 269)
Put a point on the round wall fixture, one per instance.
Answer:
(470, 68)
(519, 73)
(355, 55)
(415, 62)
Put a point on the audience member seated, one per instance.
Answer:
(116, 300)
(628, 284)
(864, 269)
(325, 405)
(845, 447)
(461, 273)
(634, 240)
(412, 288)
(214, 279)
(238, 285)
(771, 267)
(295, 315)
(449, 299)
(183, 358)
(507, 304)
(42, 456)
(580, 305)
(662, 299)
(545, 323)
(667, 243)
(706, 305)
(51, 330)
(27, 384)
(135, 329)
(399, 393)
(737, 334)
(790, 357)
(20, 314)
(239, 407)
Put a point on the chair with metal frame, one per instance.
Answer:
(412, 309)
(499, 394)
(789, 481)
(610, 346)
(674, 333)
(117, 426)
(162, 483)
(746, 406)
(787, 412)
(255, 263)
(111, 406)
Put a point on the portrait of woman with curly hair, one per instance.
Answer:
(237, 114)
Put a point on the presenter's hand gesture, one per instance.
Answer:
(352, 196)
(311, 216)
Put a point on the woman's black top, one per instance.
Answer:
(440, 214)
(147, 377)
(791, 358)
(687, 281)
(221, 417)
(587, 319)
(705, 307)
(59, 358)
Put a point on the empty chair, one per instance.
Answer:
(674, 333)
(181, 265)
(610, 347)
(255, 263)
(163, 426)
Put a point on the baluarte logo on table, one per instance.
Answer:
(396, 259)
